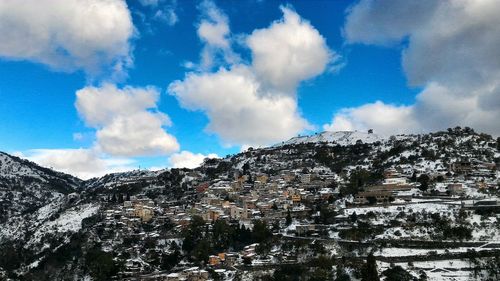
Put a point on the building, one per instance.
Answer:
(146, 213)
(214, 260)
(296, 198)
(372, 197)
(455, 188)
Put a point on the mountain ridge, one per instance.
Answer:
(335, 137)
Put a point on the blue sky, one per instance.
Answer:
(374, 74)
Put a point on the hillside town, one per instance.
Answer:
(298, 202)
(301, 211)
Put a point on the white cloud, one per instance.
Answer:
(127, 120)
(151, 3)
(255, 104)
(239, 112)
(186, 159)
(67, 34)
(288, 52)
(450, 49)
(82, 163)
(213, 30)
(167, 15)
(386, 119)
(390, 20)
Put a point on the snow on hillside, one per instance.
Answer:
(111, 180)
(341, 138)
(68, 221)
(9, 166)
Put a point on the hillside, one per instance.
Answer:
(134, 222)
(25, 186)
(340, 138)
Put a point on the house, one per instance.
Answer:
(455, 188)
(212, 214)
(202, 187)
(305, 229)
(372, 197)
(194, 274)
(462, 167)
(173, 277)
(305, 178)
(295, 198)
(235, 212)
(144, 212)
(214, 260)
(230, 259)
(262, 178)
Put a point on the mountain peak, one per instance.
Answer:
(337, 137)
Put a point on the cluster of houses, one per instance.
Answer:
(263, 197)
(245, 196)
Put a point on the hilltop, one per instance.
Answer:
(341, 138)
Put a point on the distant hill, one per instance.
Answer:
(341, 138)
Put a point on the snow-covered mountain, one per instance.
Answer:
(113, 180)
(341, 138)
(42, 211)
(25, 186)
(12, 167)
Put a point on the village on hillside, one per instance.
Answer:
(430, 219)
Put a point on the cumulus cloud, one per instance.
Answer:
(127, 120)
(386, 118)
(255, 103)
(449, 48)
(159, 10)
(213, 30)
(289, 51)
(239, 112)
(166, 15)
(67, 34)
(82, 163)
(187, 159)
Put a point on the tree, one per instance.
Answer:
(288, 218)
(342, 275)
(359, 179)
(413, 177)
(289, 273)
(370, 272)
(201, 251)
(397, 273)
(170, 260)
(192, 234)
(222, 235)
(493, 267)
(424, 182)
(261, 233)
(326, 215)
(354, 217)
(10, 255)
(100, 264)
